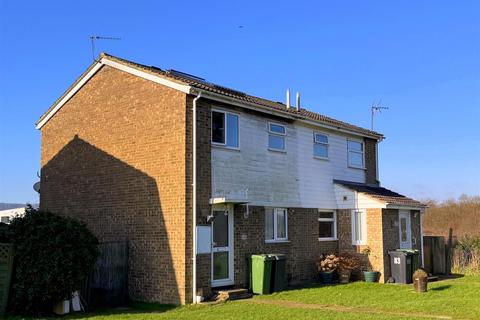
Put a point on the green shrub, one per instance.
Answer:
(53, 257)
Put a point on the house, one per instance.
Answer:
(118, 152)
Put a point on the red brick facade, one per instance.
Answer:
(118, 155)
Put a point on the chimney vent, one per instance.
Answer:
(288, 99)
(298, 101)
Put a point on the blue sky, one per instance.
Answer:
(421, 59)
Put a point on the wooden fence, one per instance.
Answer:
(107, 285)
(6, 266)
(437, 254)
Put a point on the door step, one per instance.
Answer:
(233, 294)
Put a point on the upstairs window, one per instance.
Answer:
(276, 137)
(327, 225)
(355, 154)
(225, 129)
(276, 225)
(320, 145)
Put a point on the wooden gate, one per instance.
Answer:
(107, 285)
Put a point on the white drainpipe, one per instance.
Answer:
(421, 237)
(194, 204)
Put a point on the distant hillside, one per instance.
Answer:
(462, 215)
(7, 206)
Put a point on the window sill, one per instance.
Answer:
(221, 146)
(277, 150)
(327, 239)
(358, 168)
(321, 158)
(359, 244)
(277, 241)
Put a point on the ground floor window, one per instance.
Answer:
(276, 225)
(359, 227)
(327, 225)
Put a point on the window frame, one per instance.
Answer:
(334, 220)
(327, 144)
(225, 113)
(275, 231)
(357, 152)
(363, 241)
(282, 135)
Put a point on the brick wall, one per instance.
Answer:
(371, 161)
(302, 248)
(114, 156)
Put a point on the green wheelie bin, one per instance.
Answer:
(261, 273)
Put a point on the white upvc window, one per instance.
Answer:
(327, 225)
(355, 154)
(276, 225)
(225, 129)
(320, 145)
(276, 137)
(359, 227)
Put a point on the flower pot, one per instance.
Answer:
(327, 277)
(344, 276)
(371, 276)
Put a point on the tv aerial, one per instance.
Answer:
(95, 38)
(377, 107)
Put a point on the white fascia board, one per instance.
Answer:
(104, 61)
(70, 93)
(148, 76)
(256, 107)
(399, 207)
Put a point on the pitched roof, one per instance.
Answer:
(203, 85)
(385, 195)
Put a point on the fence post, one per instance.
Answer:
(448, 256)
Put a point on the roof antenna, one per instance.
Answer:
(377, 107)
(93, 38)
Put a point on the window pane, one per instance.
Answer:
(321, 138)
(218, 127)
(358, 227)
(232, 130)
(281, 224)
(325, 229)
(355, 159)
(320, 150)
(277, 128)
(276, 142)
(355, 146)
(326, 215)
(220, 265)
(269, 225)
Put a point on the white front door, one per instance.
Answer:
(405, 229)
(222, 246)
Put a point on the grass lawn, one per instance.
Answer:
(450, 299)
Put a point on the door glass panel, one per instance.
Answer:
(403, 229)
(220, 265)
(220, 229)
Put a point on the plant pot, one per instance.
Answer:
(344, 276)
(327, 277)
(371, 276)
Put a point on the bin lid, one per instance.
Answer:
(263, 257)
(278, 256)
(397, 253)
(408, 251)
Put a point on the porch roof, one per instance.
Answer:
(389, 197)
